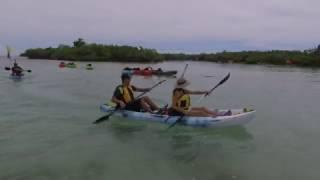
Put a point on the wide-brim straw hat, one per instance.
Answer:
(182, 83)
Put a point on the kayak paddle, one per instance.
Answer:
(8, 52)
(184, 70)
(106, 117)
(8, 69)
(212, 89)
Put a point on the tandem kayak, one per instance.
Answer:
(237, 117)
(138, 72)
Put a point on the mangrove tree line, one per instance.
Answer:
(82, 51)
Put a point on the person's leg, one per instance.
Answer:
(197, 113)
(138, 105)
(145, 106)
(148, 101)
(212, 113)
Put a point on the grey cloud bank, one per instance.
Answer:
(167, 25)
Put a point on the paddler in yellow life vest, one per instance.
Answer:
(123, 96)
(181, 102)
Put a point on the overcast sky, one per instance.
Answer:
(166, 25)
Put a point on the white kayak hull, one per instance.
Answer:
(238, 117)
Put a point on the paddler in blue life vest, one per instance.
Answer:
(123, 96)
(181, 102)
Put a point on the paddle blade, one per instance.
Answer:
(103, 118)
(7, 68)
(224, 79)
(161, 82)
(220, 83)
(29, 71)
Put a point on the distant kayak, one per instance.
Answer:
(237, 117)
(148, 72)
(71, 65)
(130, 72)
(164, 73)
(62, 65)
(89, 67)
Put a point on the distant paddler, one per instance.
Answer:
(89, 67)
(16, 70)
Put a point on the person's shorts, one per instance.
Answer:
(173, 112)
(134, 106)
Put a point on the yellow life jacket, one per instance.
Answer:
(184, 102)
(127, 94)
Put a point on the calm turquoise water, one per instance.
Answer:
(46, 129)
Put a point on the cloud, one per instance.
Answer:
(178, 24)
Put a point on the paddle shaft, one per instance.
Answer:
(184, 70)
(106, 117)
(143, 93)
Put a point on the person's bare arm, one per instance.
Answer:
(117, 101)
(196, 92)
(141, 89)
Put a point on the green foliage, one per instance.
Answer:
(179, 56)
(81, 51)
(79, 43)
(297, 58)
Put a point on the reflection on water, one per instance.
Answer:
(124, 129)
(187, 143)
(180, 134)
(183, 144)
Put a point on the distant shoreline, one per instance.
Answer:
(81, 51)
(172, 60)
